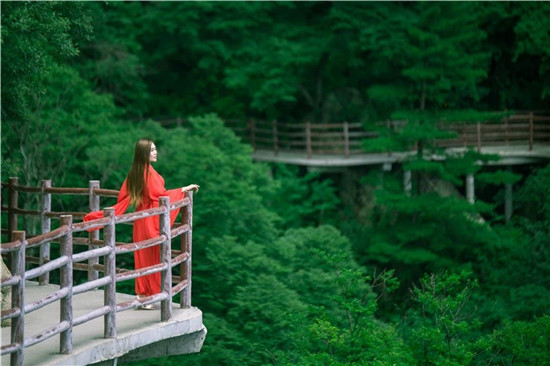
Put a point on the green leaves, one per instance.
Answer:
(35, 37)
(303, 199)
(445, 322)
(524, 343)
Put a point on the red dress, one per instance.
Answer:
(145, 228)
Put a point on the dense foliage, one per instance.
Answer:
(296, 267)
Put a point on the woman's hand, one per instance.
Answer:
(194, 187)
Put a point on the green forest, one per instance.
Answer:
(294, 266)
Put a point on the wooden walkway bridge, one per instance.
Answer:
(73, 309)
(519, 138)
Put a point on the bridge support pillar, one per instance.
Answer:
(508, 201)
(470, 192)
(407, 182)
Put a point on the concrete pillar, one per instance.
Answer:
(508, 201)
(407, 182)
(470, 192)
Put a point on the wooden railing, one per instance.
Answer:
(347, 138)
(523, 128)
(519, 129)
(68, 262)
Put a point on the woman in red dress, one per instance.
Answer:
(142, 188)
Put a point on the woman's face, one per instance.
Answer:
(153, 155)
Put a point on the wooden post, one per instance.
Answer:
(275, 138)
(109, 233)
(93, 199)
(185, 268)
(45, 228)
(531, 130)
(66, 281)
(178, 122)
(308, 139)
(12, 205)
(18, 298)
(165, 258)
(346, 138)
(253, 134)
(478, 126)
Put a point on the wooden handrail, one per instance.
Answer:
(171, 285)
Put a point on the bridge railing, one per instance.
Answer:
(518, 129)
(68, 261)
(525, 128)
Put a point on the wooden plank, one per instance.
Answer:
(328, 134)
(177, 231)
(180, 286)
(55, 296)
(132, 247)
(28, 189)
(261, 139)
(133, 216)
(131, 274)
(48, 333)
(91, 315)
(57, 215)
(94, 253)
(180, 258)
(10, 281)
(91, 285)
(328, 143)
(25, 212)
(47, 267)
(57, 233)
(61, 190)
(104, 192)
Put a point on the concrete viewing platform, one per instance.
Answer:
(140, 333)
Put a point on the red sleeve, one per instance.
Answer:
(123, 202)
(157, 190)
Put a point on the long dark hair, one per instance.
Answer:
(136, 180)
